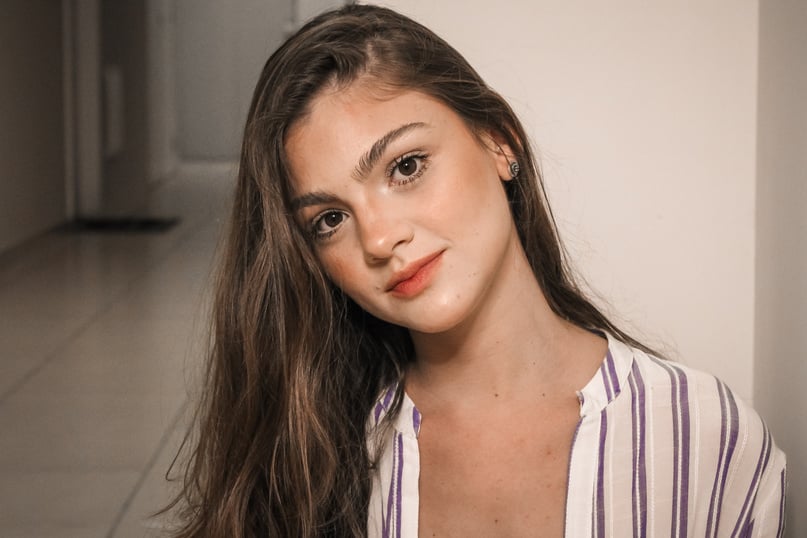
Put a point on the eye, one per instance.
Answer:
(407, 168)
(327, 223)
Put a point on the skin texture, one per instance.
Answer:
(496, 371)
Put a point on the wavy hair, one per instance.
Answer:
(295, 366)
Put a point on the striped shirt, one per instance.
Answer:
(660, 450)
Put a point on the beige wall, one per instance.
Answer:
(32, 191)
(781, 279)
(644, 114)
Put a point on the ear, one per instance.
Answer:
(501, 153)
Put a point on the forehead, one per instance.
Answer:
(343, 123)
(360, 110)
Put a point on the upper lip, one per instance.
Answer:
(410, 270)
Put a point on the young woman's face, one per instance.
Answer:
(404, 203)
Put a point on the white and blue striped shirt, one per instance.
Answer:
(660, 450)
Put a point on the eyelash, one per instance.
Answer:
(322, 236)
(423, 165)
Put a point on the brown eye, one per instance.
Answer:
(326, 223)
(408, 166)
(333, 219)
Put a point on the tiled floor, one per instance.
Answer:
(101, 338)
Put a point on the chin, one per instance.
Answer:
(427, 314)
(431, 328)
(440, 318)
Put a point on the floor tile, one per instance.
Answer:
(102, 341)
(62, 503)
(153, 494)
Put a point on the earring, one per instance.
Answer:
(514, 169)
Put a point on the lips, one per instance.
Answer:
(413, 278)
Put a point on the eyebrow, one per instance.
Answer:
(369, 159)
(366, 163)
(311, 198)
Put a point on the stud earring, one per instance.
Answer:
(514, 169)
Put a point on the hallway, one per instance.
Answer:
(101, 339)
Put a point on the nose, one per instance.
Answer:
(381, 235)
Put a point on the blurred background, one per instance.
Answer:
(672, 135)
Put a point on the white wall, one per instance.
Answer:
(644, 114)
(32, 192)
(781, 278)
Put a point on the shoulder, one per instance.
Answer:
(703, 403)
(730, 451)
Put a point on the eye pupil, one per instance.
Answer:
(408, 166)
(332, 219)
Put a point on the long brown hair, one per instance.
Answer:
(295, 366)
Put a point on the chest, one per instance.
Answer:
(495, 476)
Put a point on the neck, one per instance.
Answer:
(509, 349)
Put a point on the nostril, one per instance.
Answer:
(381, 238)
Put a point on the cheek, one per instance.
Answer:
(468, 203)
(334, 267)
(343, 271)
(347, 276)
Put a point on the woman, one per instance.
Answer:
(399, 347)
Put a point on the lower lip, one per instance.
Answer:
(419, 281)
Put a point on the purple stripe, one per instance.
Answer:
(685, 450)
(681, 431)
(734, 433)
(762, 463)
(676, 408)
(609, 360)
(717, 493)
(600, 506)
(606, 381)
(383, 405)
(398, 496)
(416, 420)
(387, 524)
(729, 428)
(747, 531)
(638, 408)
(783, 486)
(609, 377)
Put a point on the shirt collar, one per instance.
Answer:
(609, 380)
(601, 390)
